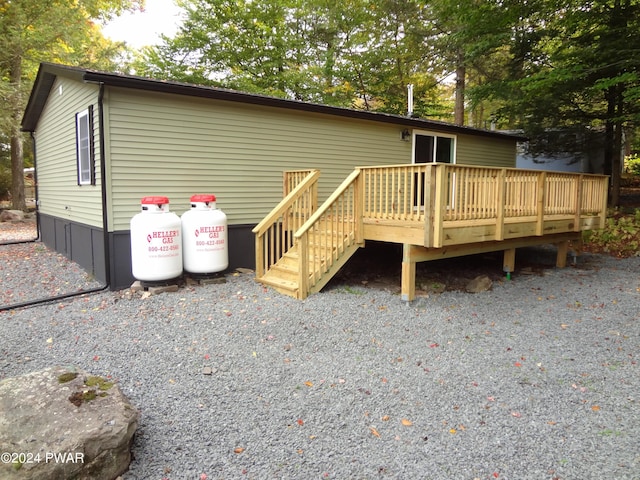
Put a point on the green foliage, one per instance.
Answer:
(620, 237)
(67, 377)
(632, 164)
(34, 31)
(354, 53)
(5, 182)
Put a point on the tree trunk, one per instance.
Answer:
(616, 160)
(17, 146)
(460, 86)
(609, 147)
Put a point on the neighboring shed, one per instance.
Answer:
(106, 140)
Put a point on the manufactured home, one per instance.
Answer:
(105, 140)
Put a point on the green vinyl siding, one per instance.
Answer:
(485, 151)
(59, 194)
(162, 144)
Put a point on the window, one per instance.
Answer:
(84, 147)
(433, 148)
(428, 148)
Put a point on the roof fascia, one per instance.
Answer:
(122, 81)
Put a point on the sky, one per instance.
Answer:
(144, 28)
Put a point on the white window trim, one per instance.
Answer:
(435, 149)
(84, 148)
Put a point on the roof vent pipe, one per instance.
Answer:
(410, 100)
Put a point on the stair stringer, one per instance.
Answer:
(335, 267)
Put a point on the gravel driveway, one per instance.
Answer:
(536, 379)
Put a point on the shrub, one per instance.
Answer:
(619, 237)
(632, 164)
(5, 183)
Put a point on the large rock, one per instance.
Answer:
(11, 216)
(481, 283)
(63, 423)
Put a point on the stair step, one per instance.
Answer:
(283, 286)
(284, 271)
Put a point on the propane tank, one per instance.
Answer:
(204, 237)
(156, 241)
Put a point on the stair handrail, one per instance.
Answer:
(303, 250)
(286, 202)
(309, 183)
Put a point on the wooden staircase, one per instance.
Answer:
(283, 275)
(299, 248)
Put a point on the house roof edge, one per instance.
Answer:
(48, 72)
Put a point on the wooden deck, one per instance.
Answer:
(434, 210)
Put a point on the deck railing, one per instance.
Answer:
(395, 192)
(456, 196)
(274, 234)
(332, 230)
(292, 178)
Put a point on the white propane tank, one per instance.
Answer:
(204, 236)
(156, 241)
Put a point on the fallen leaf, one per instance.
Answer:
(595, 408)
(453, 431)
(374, 432)
(203, 476)
(300, 421)
(517, 364)
(308, 384)
(516, 414)
(386, 418)
(406, 422)
(238, 450)
(49, 340)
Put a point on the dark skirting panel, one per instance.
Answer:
(84, 245)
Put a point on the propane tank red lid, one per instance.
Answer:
(154, 200)
(204, 198)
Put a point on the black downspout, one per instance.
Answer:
(35, 184)
(107, 257)
(103, 185)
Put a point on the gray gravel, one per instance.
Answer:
(536, 379)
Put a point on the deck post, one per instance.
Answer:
(501, 178)
(563, 250)
(358, 206)
(439, 204)
(259, 245)
(541, 202)
(408, 285)
(509, 261)
(578, 200)
(303, 266)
